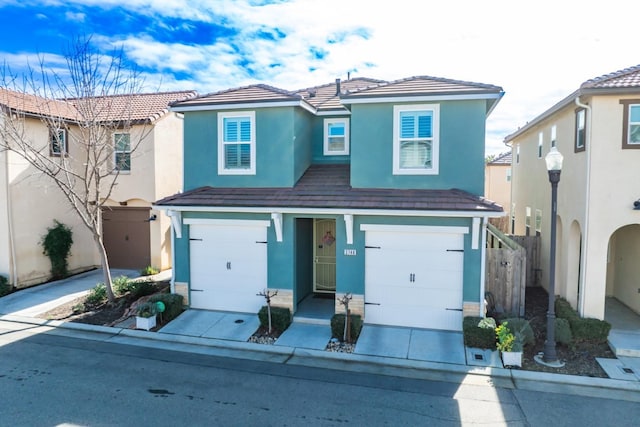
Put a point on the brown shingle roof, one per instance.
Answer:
(422, 85)
(253, 93)
(628, 77)
(134, 107)
(325, 97)
(327, 187)
(502, 159)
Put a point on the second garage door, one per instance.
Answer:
(414, 277)
(228, 266)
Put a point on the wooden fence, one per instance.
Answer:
(505, 272)
(531, 245)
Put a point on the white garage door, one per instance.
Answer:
(414, 277)
(228, 266)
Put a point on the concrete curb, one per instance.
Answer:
(500, 377)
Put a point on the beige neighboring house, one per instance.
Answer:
(597, 130)
(497, 187)
(135, 235)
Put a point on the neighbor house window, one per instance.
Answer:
(58, 142)
(554, 131)
(513, 218)
(416, 139)
(538, 222)
(336, 137)
(518, 153)
(508, 174)
(540, 140)
(237, 143)
(581, 115)
(527, 222)
(631, 123)
(122, 152)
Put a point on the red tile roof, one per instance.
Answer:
(327, 187)
(326, 97)
(502, 159)
(134, 107)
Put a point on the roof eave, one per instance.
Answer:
(242, 105)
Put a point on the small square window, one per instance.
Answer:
(336, 137)
(58, 142)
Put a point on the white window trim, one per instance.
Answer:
(540, 144)
(64, 150)
(344, 152)
(538, 221)
(435, 147)
(252, 155)
(115, 152)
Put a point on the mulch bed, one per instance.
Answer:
(580, 358)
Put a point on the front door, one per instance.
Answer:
(324, 255)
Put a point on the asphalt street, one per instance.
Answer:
(50, 380)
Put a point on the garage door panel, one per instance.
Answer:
(228, 267)
(414, 279)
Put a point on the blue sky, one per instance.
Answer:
(538, 51)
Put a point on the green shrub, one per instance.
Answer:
(337, 326)
(173, 305)
(477, 336)
(582, 329)
(563, 331)
(564, 310)
(149, 271)
(121, 285)
(280, 318)
(147, 309)
(522, 330)
(589, 330)
(5, 287)
(142, 288)
(57, 245)
(97, 295)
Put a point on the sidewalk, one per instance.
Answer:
(18, 313)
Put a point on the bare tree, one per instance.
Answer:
(89, 109)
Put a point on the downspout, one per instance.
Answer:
(483, 256)
(585, 240)
(12, 247)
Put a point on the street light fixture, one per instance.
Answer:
(549, 356)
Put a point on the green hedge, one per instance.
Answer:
(337, 326)
(563, 331)
(582, 329)
(280, 318)
(173, 305)
(476, 336)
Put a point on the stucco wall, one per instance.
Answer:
(496, 185)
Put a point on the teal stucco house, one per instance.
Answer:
(362, 186)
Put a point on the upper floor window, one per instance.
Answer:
(336, 137)
(631, 123)
(518, 153)
(58, 142)
(554, 136)
(237, 143)
(508, 174)
(538, 222)
(527, 221)
(581, 141)
(540, 141)
(416, 138)
(122, 152)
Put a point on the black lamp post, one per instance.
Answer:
(554, 167)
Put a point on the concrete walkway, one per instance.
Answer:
(416, 353)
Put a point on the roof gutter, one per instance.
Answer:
(332, 211)
(585, 240)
